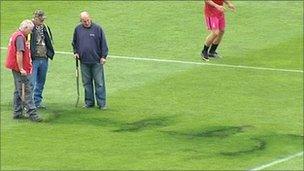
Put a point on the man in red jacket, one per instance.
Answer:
(19, 61)
(215, 22)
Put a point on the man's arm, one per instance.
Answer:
(218, 7)
(19, 54)
(104, 45)
(74, 44)
(230, 5)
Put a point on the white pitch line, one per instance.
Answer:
(189, 62)
(277, 162)
(210, 64)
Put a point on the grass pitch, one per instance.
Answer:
(165, 115)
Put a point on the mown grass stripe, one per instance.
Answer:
(189, 62)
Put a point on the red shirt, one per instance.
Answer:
(211, 11)
(11, 59)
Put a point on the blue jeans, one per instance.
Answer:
(93, 73)
(40, 67)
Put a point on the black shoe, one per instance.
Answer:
(87, 106)
(41, 106)
(102, 107)
(214, 55)
(205, 56)
(35, 118)
(19, 116)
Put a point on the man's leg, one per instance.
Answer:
(210, 38)
(99, 82)
(28, 101)
(17, 103)
(87, 81)
(40, 80)
(214, 34)
(219, 37)
(34, 75)
(217, 41)
(212, 25)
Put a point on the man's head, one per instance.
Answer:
(26, 27)
(85, 19)
(39, 17)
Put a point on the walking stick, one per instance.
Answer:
(23, 94)
(23, 106)
(77, 82)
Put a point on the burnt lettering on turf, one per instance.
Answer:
(219, 132)
(144, 124)
(259, 146)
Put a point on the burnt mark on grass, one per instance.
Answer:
(101, 122)
(258, 146)
(217, 132)
(144, 124)
(221, 132)
(52, 115)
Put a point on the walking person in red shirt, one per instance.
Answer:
(215, 22)
(19, 61)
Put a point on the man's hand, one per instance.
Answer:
(22, 72)
(231, 7)
(102, 61)
(76, 56)
(220, 8)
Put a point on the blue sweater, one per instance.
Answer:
(90, 43)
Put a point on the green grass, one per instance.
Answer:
(292, 164)
(165, 115)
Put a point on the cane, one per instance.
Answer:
(77, 82)
(23, 93)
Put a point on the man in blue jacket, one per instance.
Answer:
(90, 47)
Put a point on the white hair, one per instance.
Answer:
(26, 24)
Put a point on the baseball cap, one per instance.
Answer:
(39, 14)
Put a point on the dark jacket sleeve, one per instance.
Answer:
(74, 42)
(32, 43)
(104, 45)
(51, 35)
(48, 42)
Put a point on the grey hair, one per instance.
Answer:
(26, 24)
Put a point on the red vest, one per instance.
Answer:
(211, 11)
(11, 58)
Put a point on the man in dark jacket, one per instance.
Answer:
(41, 50)
(90, 47)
